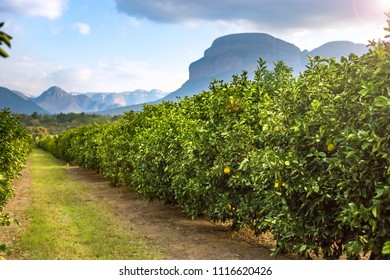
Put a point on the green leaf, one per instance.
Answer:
(244, 164)
(351, 136)
(315, 104)
(5, 38)
(374, 211)
(303, 248)
(321, 154)
(3, 53)
(381, 101)
(386, 248)
(365, 145)
(353, 206)
(351, 153)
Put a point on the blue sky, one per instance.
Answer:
(120, 45)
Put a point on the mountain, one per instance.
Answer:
(56, 100)
(118, 99)
(338, 49)
(18, 104)
(231, 54)
(22, 95)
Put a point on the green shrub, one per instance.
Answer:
(15, 146)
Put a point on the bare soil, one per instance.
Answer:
(177, 236)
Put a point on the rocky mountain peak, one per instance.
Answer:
(237, 52)
(246, 42)
(54, 91)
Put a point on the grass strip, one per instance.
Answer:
(68, 223)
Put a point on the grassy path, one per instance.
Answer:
(68, 222)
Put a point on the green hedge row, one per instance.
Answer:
(15, 146)
(306, 158)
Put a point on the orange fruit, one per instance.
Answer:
(331, 148)
(226, 170)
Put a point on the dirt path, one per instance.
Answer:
(177, 236)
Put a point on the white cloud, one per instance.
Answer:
(275, 14)
(114, 76)
(83, 28)
(236, 25)
(384, 4)
(51, 9)
(31, 80)
(68, 77)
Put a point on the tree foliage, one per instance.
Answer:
(39, 125)
(15, 145)
(6, 39)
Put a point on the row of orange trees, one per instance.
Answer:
(15, 146)
(305, 158)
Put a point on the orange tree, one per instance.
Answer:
(15, 145)
(327, 159)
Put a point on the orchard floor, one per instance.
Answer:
(175, 235)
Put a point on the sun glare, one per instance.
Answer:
(385, 4)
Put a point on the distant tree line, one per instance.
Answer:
(42, 125)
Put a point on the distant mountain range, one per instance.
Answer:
(18, 103)
(55, 100)
(118, 99)
(227, 56)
